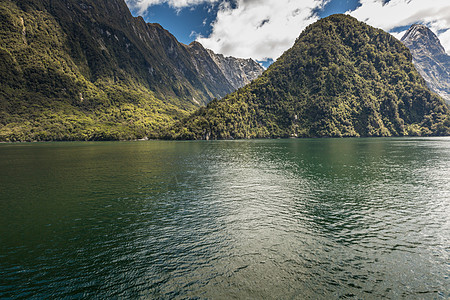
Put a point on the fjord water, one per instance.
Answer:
(292, 219)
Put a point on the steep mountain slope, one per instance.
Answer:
(237, 71)
(87, 69)
(341, 78)
(430, 59)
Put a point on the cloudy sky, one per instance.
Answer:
(264, 29)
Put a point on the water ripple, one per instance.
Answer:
(295, 219)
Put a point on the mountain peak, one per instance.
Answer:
(430, 58)
(340, 78)
(420, 37)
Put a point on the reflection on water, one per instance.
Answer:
(314, 218)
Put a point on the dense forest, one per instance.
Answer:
(341, 78)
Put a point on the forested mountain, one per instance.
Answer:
(341, 78)
(430, 59)
(76, 70)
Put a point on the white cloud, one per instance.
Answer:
(445, 40)
(399, 34)
(396, 13)
(142, 5)
(260, 29)
(264, 29)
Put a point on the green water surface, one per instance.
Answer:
(258, 219)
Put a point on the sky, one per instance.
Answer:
(264, 29)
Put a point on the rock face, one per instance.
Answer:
(89, 60)
(430, 59)
(211, 66)
(341, 78)
(237, 71)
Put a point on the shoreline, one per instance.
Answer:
(231, 139)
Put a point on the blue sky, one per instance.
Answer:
(186, 23)
(182, 23)
(263, 29)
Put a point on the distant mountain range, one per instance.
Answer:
(89, 70)
(76, 70)
(430, 58)
(341, 78)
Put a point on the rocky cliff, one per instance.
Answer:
(238, 71)
(210, 66)
(430, 59)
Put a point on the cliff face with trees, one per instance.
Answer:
(89, 70)
(341, 78)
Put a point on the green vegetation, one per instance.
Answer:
(341, 78)
(73, 70)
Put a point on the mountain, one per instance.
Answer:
(237, 71)
(89, 70)
(430, 59)
(341, 78)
